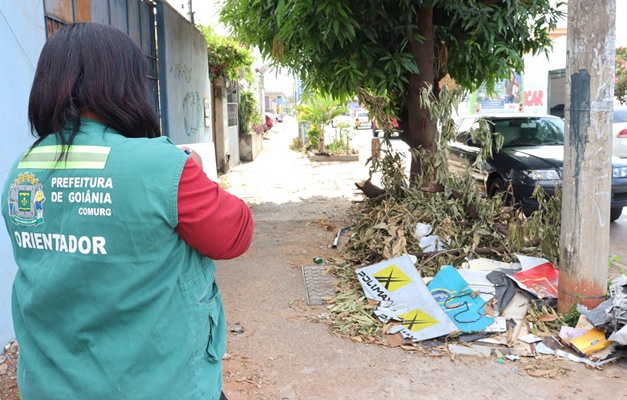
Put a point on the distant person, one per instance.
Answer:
(114, 232)
(509, 89)
(515, 90)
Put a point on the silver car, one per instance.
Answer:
(619, 137)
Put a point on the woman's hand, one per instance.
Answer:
(195, 156)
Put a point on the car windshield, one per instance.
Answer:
(362, 114)
(530, 131)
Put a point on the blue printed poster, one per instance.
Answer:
(456, 298)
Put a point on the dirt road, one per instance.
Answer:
(284, 354)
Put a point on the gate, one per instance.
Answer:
(135, 17)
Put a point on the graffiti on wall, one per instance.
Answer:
(192, 112)
(181, 71)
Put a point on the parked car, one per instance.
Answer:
(279, 117)
(619, 129)
(270, 120)
(532, 153)
(362, 119)
(376, 130)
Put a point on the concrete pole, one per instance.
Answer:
(587, 153)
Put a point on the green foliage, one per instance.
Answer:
(341, 143)
(226, 55)
(338, 46)
(318, 110)
(248, 115)
(620, 88)
(469, 224)
(313, 136)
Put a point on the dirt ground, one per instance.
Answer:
(278, 349)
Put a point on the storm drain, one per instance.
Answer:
(318, 283)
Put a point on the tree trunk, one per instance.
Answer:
(420, 129)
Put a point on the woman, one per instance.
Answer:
(115, 234)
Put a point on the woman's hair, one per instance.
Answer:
(91, 67)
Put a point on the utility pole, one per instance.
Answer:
(191, 11)
(587, 173)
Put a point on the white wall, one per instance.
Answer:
(536, 76)
(23, 35)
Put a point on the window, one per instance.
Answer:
(231, 103)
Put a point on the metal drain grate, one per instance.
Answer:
(318, 284)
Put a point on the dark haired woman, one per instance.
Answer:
(114, 232)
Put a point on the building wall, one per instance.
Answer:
(184, 84)
(23, 34)
(538, 97)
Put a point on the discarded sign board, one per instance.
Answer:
(397, 283)
(538, 276)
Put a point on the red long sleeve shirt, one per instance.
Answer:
(216, 223)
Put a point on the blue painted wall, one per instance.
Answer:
(23, 35)
(184, 78)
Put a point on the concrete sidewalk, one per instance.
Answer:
(281, 175)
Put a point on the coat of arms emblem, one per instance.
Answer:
(26, 198)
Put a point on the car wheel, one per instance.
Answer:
(498, 186)
(615, 213)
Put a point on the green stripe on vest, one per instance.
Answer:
(78, 157)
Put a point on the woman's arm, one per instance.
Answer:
(211, 220)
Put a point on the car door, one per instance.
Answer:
(463, 152)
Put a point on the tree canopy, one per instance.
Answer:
(338, 46)
(395, 48)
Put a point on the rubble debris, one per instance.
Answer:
(464, 306)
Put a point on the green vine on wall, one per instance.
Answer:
(226, 55)
(248, 115)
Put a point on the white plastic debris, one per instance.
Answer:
(544, 349)
(422, 230)
(430, 244)
(529, 338)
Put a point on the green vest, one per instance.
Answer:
(108, 301)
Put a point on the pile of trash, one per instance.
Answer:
(493, 308)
